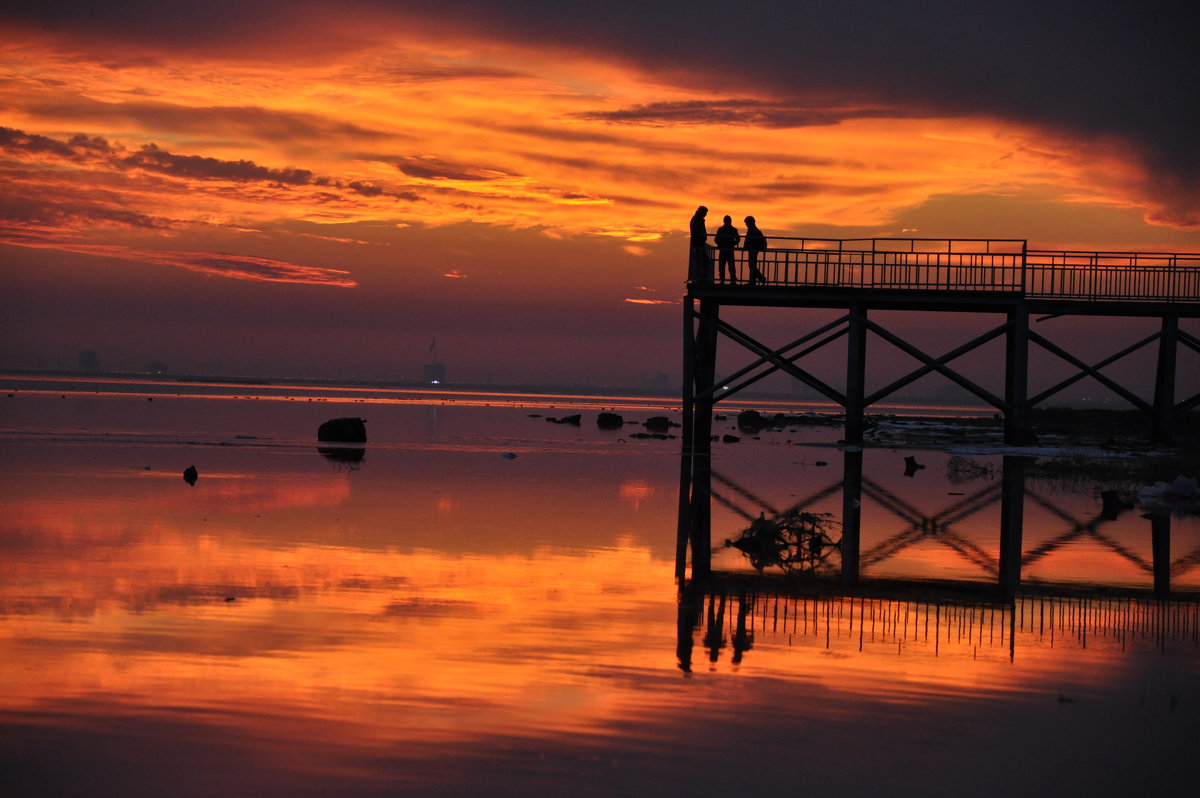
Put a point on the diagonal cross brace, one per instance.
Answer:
(1092, 371)
(768, 355)
(932, 365)
(746, 383)
(936, 364)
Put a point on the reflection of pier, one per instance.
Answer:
(729, 621)
(998, 576)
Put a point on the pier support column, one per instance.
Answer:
(856, 373)
(701, 448)
(1163, 429)
(1160, 546)
(1016, 379)
(687, 456)
(1012, 519)
(851, 514)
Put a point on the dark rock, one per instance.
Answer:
(658, 424)
(609, 421)
(752, 421)
(343, 430)
(730, 439)
(572, 420)
(190, 475)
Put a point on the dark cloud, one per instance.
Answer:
(74, 149)
(436, 169)
(1092, 70)
(244, 267)
(260, 124)
(152, 158)
(744, 112)
(31, 217)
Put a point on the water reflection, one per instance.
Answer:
(901, 623)
(343, 454)
(968, 537)
(444, 621)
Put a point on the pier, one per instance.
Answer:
(1004, 279)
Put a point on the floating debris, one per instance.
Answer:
(190, 475)
(911, 466)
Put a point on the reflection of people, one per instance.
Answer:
(726, 239)
(743, 639)
(714, 638)
(701, 262)
(755, 242)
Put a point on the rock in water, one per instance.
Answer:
(190, 475)
(752, 421)
(609, 421)
(572, 420)
(344, 430)
(658, 424)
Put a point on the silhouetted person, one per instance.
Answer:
(755, 242)
(726, 239)
(701, 261)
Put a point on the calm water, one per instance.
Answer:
(441, 618)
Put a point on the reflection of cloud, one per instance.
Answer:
(422, 607)
(638, 301)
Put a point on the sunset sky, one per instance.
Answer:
(318, 188)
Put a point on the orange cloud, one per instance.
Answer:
(398, 131)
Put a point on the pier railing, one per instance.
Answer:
(993, 266)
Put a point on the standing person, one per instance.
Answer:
(726, 239)
(701, 261)
(756, 242)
